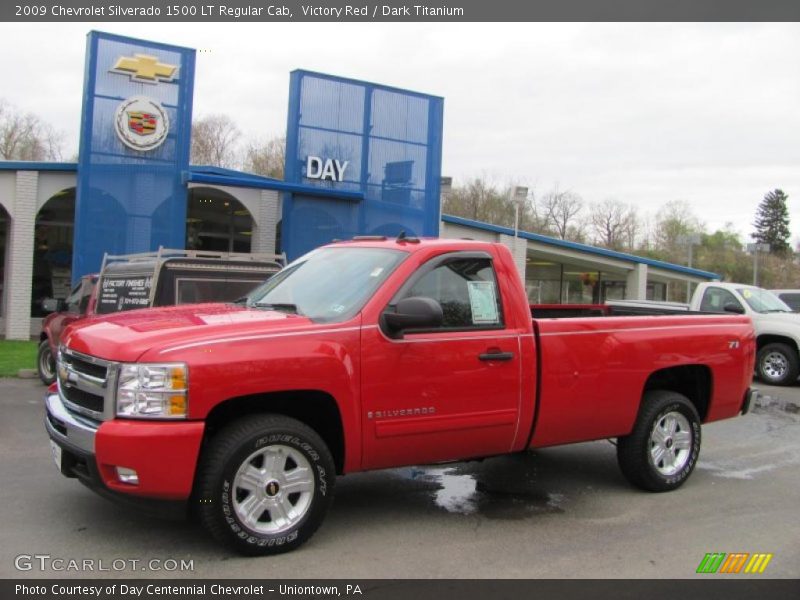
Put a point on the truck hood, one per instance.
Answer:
(126, 336)
(777, 322)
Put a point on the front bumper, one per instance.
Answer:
(164, 454)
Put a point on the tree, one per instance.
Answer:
(772, 223)
(561, 210)
(266, 158)
(24, 136)
(674, 222)
(614, 224)
(214, 141)
(482, 200)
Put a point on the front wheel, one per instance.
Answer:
(46, 363)
(661, 451)
(778, 364)
(264, 484)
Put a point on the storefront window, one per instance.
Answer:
(217, 221)
(543, 282)
(52, 251)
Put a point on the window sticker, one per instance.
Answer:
(747, 293)
(376, 272)
(483, 302)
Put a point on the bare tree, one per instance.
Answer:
(482, 200)
(266, 158)
(561, 210)
(24, 136)
(214, 141)
(673, 222)
(614, 224)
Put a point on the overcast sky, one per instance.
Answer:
(644, 113)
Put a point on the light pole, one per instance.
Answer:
(518, 195)
(691, 240)
(755, 249)
(445, 187)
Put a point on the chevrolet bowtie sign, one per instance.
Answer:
(144, 68)
(325, 169)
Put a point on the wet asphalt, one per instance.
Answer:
(554, 513)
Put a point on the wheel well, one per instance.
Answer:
(316, 409)
(765, 339)
(693, 381)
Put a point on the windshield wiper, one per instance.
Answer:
(280, 306)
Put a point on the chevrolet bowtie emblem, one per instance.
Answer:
(144, 69)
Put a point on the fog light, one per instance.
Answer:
(127, 475)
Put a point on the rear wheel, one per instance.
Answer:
(662, 450)
(265, 484)
(778, 364)
(46, 363)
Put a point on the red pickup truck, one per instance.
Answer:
(369, 354)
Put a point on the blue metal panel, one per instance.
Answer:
(131, 200)
(391, 140)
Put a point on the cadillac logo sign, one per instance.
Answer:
(141, 123)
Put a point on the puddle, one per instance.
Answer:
(773, 404)
(466, 494)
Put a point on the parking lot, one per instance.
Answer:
(553, 513)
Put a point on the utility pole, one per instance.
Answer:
(755, 249)
(518, 195)
(691, 240)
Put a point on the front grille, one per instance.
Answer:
(86, 384)
(84, 399)
(83, 366)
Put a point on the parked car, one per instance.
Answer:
(790, 297)
(371, 354)
(150, 279)
(78, 305)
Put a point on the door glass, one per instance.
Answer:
(467, 291)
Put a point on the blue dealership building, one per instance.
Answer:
(361, 158)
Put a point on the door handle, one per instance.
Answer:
(496, 355)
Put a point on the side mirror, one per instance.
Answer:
(417, 312)
(51, 305)
(733, 308)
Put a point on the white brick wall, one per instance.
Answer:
(19, 272)
(518, 247)
(268, 216)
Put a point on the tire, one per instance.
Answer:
(778, 364)
(243, 477)
(661, 451)
(46, 363)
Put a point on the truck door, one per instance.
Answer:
(446, 393)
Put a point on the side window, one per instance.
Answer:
(85, 295)
(793, 300)
(467, 290)
(74, 299)
(715, 299)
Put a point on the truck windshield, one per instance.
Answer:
(763, 301)
(329, 284)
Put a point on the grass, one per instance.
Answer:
(16, 355)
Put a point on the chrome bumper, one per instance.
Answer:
(67, 428)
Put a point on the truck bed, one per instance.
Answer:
(593, 370)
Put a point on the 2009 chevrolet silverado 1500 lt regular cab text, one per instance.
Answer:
(370, 354)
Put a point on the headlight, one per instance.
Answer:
(156, 391)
